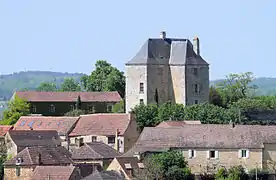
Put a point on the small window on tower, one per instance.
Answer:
(196, 101)
(141, 101)
(141, 87)
(195, 71)
(196, 88)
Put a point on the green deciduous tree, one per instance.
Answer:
(78, 103)
(167, 165)
(47, 86)
(16, 108)
(105, 78)
(169, 111)
(75, 112)
(119, 107)
(70, 85)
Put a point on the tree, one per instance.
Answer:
(70, 85)
(119, 107)
(146, 115)
(169, 111)
(167, 165)
(78, 103)
(215, 97)
(16, 108)
(235, 87)
(104, 78)
(46, 86)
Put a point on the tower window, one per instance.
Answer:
(195, 71)
(141, 87)
(141, 101)
(196, 86)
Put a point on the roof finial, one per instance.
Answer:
(163, 34)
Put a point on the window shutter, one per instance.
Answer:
(216, 154)
(194, 153)
(247, 153)
(208, 154)
(190, 153)
(240, 154)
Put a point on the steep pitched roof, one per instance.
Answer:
(28, 138)
(33, 96)
(128, 162)
(48, 156)
(176, 123)
(104, 175)
(4, 129)
(167, 51)
(94, 150)
(63, 125)
(53, 172)
(204, 136)
(101, 124)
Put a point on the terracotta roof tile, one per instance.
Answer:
(129, 162)
(53, 172)
(176, 123)
(33, 96)
(62, 124)
(204, 136)
(101, 124)
(4, 129)
(49, 156)
(94, 150)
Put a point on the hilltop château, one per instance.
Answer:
(167, 69)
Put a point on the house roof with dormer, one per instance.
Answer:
(34, 96)
(173, 51)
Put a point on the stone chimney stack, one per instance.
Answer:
(196, 45)
(163, 34)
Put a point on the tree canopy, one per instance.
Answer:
(47, 86)
(70, 84)
(105, 77)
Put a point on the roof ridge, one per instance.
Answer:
(93, 150)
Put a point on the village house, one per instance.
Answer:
(63, 125)
(17, 140)
(59, 103)
(176, 123)
(56, 173)
(208, 147)
(126, 166)
(23, 165)
(93, 153)
(117, 130)
(3, 130)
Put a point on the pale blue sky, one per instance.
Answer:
(70, 35)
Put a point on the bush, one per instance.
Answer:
(75, 112)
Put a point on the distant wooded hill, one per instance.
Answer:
(30, 80)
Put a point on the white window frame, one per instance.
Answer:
(52, 108)
(141, 102)
(216, 154)
(191, 153)
(141, 88)
(246, 153)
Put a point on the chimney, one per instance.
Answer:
(163, 34)
(116, 140)
(196, 45)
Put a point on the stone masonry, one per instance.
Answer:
(167, 70)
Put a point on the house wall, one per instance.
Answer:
(226, 158)
(25, 173)
(63, 107)
(11, 146)
(115, 166)
(131, 135)
(269, 157)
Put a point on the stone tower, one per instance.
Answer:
(167, 69)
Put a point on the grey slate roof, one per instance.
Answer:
(167, 51)
(104, 175)
(204, 136)
(94, 150)
(49, 156)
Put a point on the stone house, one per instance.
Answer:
(17, 140)
(118, 130)
(208, 147)
(167, 69)
(126, 166)
(3, 130)
(59, 103)
(63, 125)
(56, 173)
(94, 154)
(176, 123)
(23, 165)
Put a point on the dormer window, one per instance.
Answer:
(52, 108)
(18, 161)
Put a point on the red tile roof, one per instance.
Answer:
(33, 96)
(62, 124)
(176, 123)
(4, 129)
(101, 124)
(53, 172)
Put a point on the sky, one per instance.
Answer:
(70, 36)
